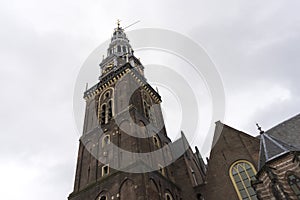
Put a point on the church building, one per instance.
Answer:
(125, 152)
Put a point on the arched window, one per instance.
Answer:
(106, 108)
(105, 170)
(156, 141)
(105, 140)
(294, 182)
(168, 196)
(241, 174)
(124, 49)
(104, 195)
(119, 48)
(103, 198)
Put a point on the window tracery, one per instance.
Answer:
(106, 108)
(241, 174)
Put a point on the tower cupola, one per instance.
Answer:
(119, 43)
(118, 52)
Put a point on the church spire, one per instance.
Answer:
(271, 148)
(119, 42)
(118, 52)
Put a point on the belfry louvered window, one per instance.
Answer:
(294, 182)
(106, 107)
(241, 174)
(103, 114)
(109, 109)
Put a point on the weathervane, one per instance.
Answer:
(259, 128)
(118, 23)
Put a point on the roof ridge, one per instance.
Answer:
(283, 122)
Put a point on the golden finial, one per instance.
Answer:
(118, 23)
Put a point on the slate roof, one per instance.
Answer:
(272, 148)
(279, 140)
(287, 131)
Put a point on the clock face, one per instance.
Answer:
(108, 67)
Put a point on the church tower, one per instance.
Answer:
(126, 154)
(124, 151)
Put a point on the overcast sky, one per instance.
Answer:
(254, 45)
